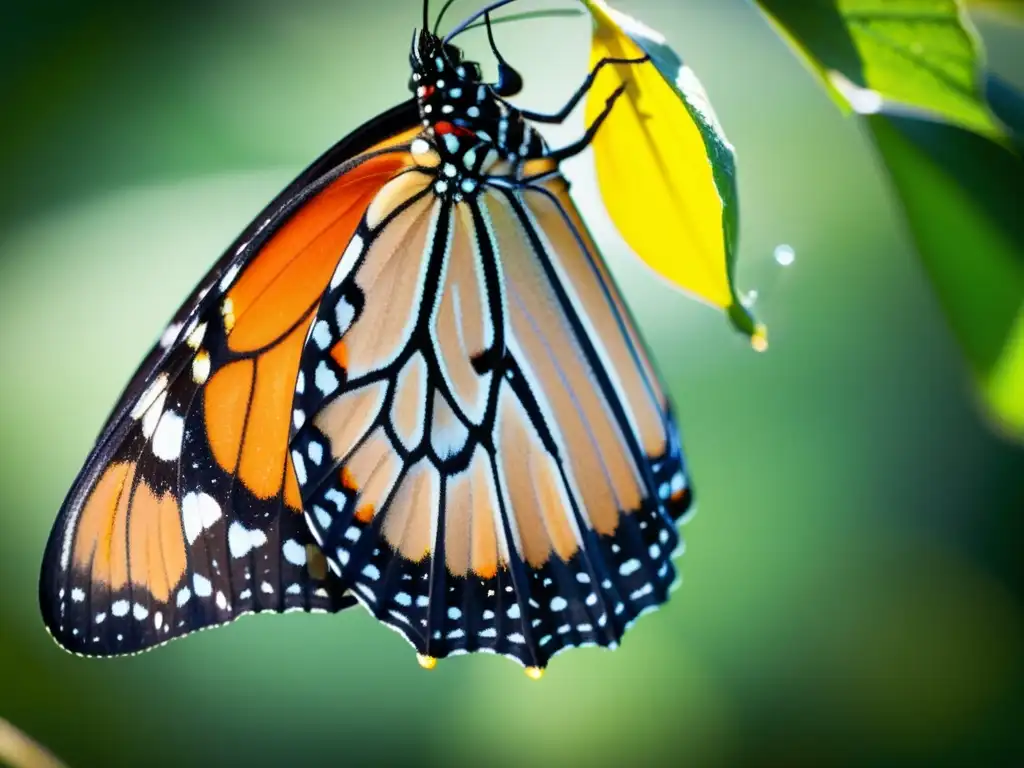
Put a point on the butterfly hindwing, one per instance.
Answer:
(187, 513)
(484, 451)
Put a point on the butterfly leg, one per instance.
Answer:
(584, 89)
(578, 146)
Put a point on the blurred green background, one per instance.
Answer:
(852, 587)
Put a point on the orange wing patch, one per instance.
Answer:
(586, 274)
(609, 481)
(227, 397)
(270, 415)
(410, 521)
(539, 504)
(290, 272)
(121, 516)
(471, 536)
(249, 402)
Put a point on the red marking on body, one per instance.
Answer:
(444, 127)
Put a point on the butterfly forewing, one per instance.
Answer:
(483, 449)
(188, 513)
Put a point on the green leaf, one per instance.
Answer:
(666, 172)
(892, 55)
(951, 140)
(962, 196)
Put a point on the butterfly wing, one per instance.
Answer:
(483, 449)
(187, 514)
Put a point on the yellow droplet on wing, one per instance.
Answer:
(534, 673)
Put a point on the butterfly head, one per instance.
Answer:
(448, 88)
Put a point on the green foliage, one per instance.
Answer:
(921, 54)
(950, 137)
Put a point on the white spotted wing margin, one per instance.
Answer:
(483, 450)
(157, 538)
(162, 542)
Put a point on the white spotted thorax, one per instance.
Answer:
(468, 128)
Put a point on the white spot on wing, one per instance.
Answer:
(322, 517)
(170, 335)
(168, 436)
(325, 379)
(196, 336)
(316, 453)
(201, 367)
(629, 567)
(199, 511)
(153, 414)
(348, 260)
(343, 314)
(241, 540)
(645, 590)
(202, 585)
(300, 467)
(120, 608)
(229, 277)
(148, 397)
(322, 334)
(294, 552)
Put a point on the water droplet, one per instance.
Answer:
(785, 255)
(749, 299)
(863, 101)
(759, 341)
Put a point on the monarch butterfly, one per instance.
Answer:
(410, 383)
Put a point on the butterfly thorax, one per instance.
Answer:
(464, 120)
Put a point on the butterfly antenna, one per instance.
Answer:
(477, 16)
(490, 39)
(426, 15)
(510, 82)
(440, 16)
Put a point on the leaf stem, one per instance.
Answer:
(19, 751)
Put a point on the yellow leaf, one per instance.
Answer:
(665, 170)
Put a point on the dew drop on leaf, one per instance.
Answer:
(785, 255)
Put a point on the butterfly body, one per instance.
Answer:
(410, 383)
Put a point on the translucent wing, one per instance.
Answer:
(482, 446)
(187, 513)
